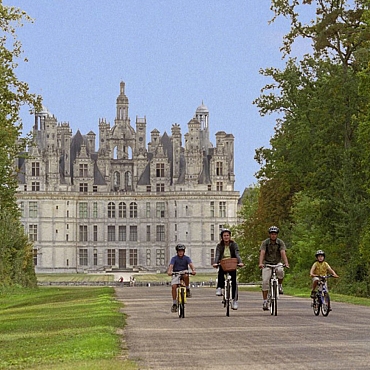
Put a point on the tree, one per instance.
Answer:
(316, 160)
(15, 250)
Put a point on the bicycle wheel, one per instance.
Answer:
(316, 305)
(273, 307)
(325, 307)
(227, 298)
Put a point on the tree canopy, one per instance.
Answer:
(16, 266)
(314, 178)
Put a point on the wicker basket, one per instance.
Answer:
(229, 264)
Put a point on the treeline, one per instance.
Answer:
(314, 179)
(16, 259)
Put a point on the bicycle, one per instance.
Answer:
(227, 265)
(181, 292)
(321, 301)
(273, 292)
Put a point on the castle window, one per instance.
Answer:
(159, 170)
(148, 233)
(160, 209)
(111, 210)
(95, 233)
(212, 209)
(219, 186)
(83, 187)
(95, 257)
(160, 188)
(111, 233)
(222, 209)
(212, 232)
(212, 256)
(133, 257)
(32, 209)
(111, 257)
(133, 210)
(147, 211)
(35, 257)
(219, 171)
(82, 252)
(82, 236)
(95, 209)
(35, 169)
(35, 186)
(82, 209)
(21, 208)
(83, 170)
(122, 210)
(122, 233)
(32, 232)
(160, 235)
(148, 189)
(133, 234)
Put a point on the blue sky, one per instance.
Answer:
(172, 55)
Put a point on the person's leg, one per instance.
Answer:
(280, 275)
(221, 278)
(314, 286)
(266, 275)
(174, 286)
(220, 281)
(233, 281)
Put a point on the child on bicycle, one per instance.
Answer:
(319, 268)
(180, 262)
(227, 248)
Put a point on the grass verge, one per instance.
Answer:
(61, 328)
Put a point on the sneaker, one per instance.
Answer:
(281, 289)
(218, 291)
(188, 293)
(265, 306)
(174, 308)
(313, 294)
(234, 305)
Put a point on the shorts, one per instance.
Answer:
(266, 275)
(176, 279)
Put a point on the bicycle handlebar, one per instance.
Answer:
(177, 273)
(274, 266)
(323, 277)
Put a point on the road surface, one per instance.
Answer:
(249, 338)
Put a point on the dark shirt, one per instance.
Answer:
(180, 264)
(272, 250)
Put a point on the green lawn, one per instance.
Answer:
(61, 328)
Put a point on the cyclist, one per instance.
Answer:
(227, 248)
(180, 262)
(320, 268)
(272, 251)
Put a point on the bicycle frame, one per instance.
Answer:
(273, 292)
(181, 293)
(226, 297)
(226, 293)
(321, 302)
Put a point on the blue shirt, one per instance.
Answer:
(180, 264)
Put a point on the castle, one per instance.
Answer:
(126, 205)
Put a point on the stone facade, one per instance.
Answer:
(126, 205)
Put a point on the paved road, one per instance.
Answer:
(249, 339)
